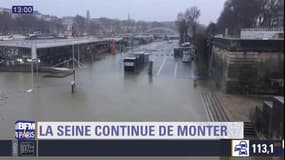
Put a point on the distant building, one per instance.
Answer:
(67, 23)
(88, 16)
(37, 14)
(5, 10)
(44, 17)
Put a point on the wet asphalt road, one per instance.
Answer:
(106, 93)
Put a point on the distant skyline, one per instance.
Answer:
(147, 10)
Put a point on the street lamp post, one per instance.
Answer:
(78, 55)
(33, 56)
(73, 72)
(32, 70)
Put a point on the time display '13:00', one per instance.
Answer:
(22, 9)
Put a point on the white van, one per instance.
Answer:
(186, 56)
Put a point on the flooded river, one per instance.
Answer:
(105, 93)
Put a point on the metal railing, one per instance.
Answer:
(279, 29)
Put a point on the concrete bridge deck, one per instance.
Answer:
(49, 43)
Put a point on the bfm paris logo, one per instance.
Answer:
(25, 130)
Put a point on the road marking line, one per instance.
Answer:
(175, 70)
(161, 66)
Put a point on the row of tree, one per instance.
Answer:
(239, 14)
(191, 30)
(236, 14)
(28, 24)
(83, 25)
(187, 23)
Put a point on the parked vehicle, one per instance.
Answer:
(185, 44)
(186, 55)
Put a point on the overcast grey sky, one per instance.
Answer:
(149, 10)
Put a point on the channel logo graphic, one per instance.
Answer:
(240, 148)
(25, 130)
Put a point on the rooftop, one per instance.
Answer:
(48, 43)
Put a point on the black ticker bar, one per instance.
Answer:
(266, 148)
(134, 148)
(221, 148)
(5, 148)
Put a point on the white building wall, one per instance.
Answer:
(261, 33)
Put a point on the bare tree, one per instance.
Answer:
(239, 14)
(187, 24)
(142, 26)
(269, 10)
(6, 22)
(212, 29)
(28, 23)
(182, 27)
(80, 24)
(192, 16)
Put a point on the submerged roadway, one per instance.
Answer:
(105, 93)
